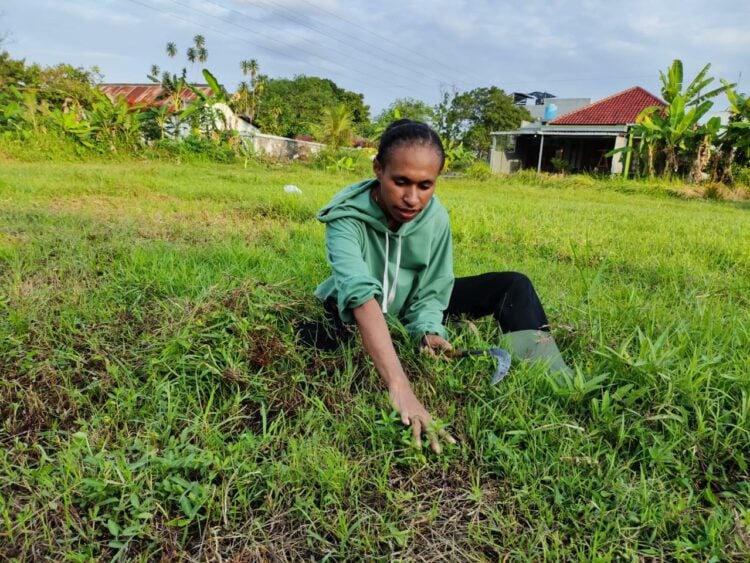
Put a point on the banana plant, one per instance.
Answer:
(693, 95)
(201, 111)
(70, 124)
(734, 140)
(116, 123)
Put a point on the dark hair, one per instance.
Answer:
(408, 132)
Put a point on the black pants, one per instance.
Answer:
(508, 296)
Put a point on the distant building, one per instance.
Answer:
(582, 137)
(152, 95)
(148, 95)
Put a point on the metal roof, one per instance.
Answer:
(148, 94)
(568, 130)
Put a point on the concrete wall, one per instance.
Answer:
(283, 148)
(504, 162)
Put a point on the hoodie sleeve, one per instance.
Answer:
(432, 291)
(354, 283)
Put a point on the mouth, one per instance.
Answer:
(407, 214)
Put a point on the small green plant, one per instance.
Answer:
(560, 165)
(457, 157)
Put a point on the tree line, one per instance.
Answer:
(65, 100)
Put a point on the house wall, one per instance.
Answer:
(502, 161)
(618, 160)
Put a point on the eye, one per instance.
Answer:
(400, 181)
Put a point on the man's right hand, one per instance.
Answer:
(377, 342)
(414, 414)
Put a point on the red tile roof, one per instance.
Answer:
(618, 109)
(146, 94)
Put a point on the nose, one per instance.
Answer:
(411, 197)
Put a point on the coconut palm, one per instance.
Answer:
(171, 49)
(335, 128)
(154, 75)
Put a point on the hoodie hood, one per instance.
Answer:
(356, 202)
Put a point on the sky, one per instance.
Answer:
(390, 49)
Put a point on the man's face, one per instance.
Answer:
(407, 182)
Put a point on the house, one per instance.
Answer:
(578, 140)
(151, 95)
(148, 95)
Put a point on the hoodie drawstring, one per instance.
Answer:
(390, 296)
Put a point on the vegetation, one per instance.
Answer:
(677, 141)
(156, 405)
(469, 117)
(293, 107)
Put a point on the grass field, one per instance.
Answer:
(154, 402)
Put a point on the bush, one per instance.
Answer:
(480, 170)
(560, 165)
(196, 147)
(357, 161)
(742, 176)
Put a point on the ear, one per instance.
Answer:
(377, 168)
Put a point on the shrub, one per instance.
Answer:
(197, 148)
(480, 170)
(357, 161)
(742, 176)
(560, 165)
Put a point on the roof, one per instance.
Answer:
(147, 94)
(566, 130)
(618, 109)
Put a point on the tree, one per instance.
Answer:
(171, 49)
(247, 96)
(293, 106)
(15, 72)
(335, 127)
(470, 117)
(405, 108)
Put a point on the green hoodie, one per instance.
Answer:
(418, 282)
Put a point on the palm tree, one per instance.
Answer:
(202, 54)
(171, 49)
(336, 127)
(154, 75)
(241, 98)
(199, 41)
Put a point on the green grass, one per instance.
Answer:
(154, 402)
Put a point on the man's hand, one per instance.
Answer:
(415, 415)
(433, 344)
(377, 342)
